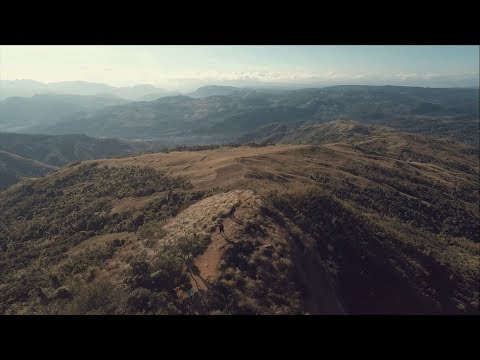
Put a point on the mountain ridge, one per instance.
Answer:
(14, 168)
(29, 88)
(20, 113)
(33, 151)
(226, 118)
(59, 150)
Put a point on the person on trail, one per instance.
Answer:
(220, 228)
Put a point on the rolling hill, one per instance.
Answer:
(375, 139)
(366, 220)
(14, 168)
(33, 155)
(60, 150)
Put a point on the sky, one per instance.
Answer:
(183, 67)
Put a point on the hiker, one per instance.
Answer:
(220, 228)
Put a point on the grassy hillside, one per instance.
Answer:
(13, 168)
(383, 224)
(373, 140)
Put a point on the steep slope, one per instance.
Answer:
(63, 149)
(13, 168)
(333, 228)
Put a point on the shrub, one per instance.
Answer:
(152, 230)
(140, 300)
(194, 244)
(63, 293)
(98, 297)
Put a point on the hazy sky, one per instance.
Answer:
(176, 67)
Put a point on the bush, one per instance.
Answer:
(152, 230)
(63, 293)
(140, 300)
(194, 244)
(99, 297)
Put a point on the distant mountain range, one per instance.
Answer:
(219, 115)
(27, 88)
(214, 118)
(19, 113)
(215, 90)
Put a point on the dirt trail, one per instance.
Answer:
(209, 261)
(206, 266)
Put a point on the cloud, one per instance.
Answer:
(407, 76)
(360, 76)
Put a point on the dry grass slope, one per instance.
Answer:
(386, 222)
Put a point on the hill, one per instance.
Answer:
(156, 95)
(33, 155)
(224, 118)
(60, 150)
(13, 168)
(215, 90)
(376, 139)
(172, 120)
(375, 225)
(20, 113)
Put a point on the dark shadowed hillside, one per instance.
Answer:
(63, 149)
(13, 168)
(28, 155)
